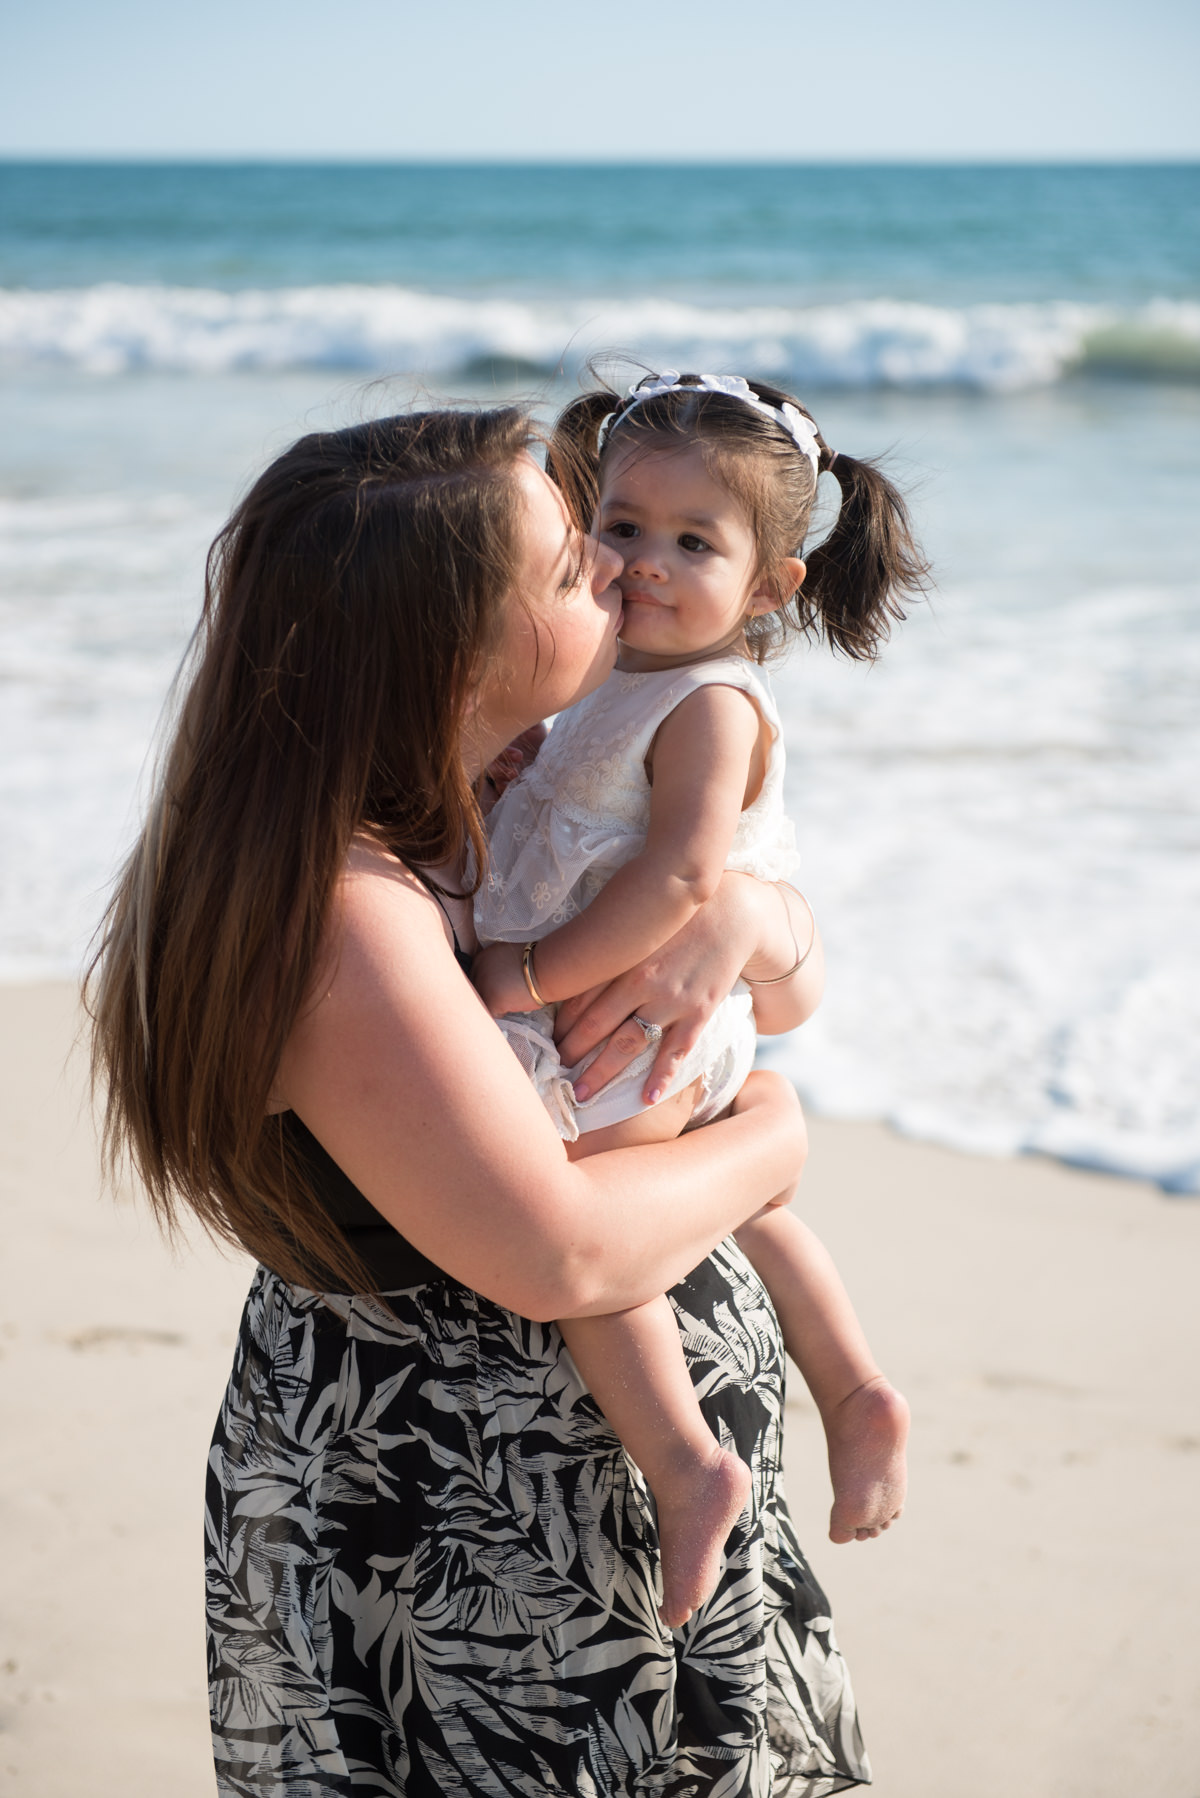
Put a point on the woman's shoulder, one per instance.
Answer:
(384, 912)
(373, 878)
(385, 955)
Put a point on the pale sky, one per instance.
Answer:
(629, 79)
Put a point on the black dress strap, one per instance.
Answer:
(462, 956)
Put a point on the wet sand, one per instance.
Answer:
(1030, 1627)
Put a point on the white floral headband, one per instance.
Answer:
(798, 426)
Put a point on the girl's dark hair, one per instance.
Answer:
(857, 578)
(350, 603)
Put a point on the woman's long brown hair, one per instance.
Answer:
(350, 604)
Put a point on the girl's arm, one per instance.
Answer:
(401, 1074)
(703, 756)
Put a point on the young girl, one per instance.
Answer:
(643, 795)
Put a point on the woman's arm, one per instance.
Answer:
(746, 926)
(782, 1005)
(703, 754)
(401, 1074)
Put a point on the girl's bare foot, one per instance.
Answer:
(696, 1512)
(866, 1434)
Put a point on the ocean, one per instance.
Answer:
(999, 822)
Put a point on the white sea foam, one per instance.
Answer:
(97, 596)
(998, 823)
(113, 329)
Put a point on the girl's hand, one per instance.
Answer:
(513, 761)
(496, 974)
(679, 987)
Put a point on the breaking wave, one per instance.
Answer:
(114, 329)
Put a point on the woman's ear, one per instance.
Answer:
(769, 595)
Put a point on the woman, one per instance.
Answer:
(430, 1568)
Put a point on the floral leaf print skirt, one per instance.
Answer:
(432, 1570)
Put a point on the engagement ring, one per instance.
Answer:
(652, 1032)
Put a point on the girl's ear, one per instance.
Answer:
(768, 595)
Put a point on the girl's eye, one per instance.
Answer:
(690, 542)
(622, 529)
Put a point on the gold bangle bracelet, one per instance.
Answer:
(527, 972)
(778, 979)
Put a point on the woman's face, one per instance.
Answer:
(560, 635)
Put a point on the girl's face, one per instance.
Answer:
(689, 580)
(560, 635)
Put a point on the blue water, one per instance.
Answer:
(999, 824)
(950, 235)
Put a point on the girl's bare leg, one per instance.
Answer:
(634, 1365)
(865, 1418)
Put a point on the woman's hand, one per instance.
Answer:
(678, 987)
(747, 924)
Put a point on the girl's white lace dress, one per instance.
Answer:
(577, 815)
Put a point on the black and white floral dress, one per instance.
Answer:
(432, 1571)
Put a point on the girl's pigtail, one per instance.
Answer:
(857, 579)
(573, 454)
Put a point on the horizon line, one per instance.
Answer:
(348, 159)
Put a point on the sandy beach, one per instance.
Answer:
(1029, 1628)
